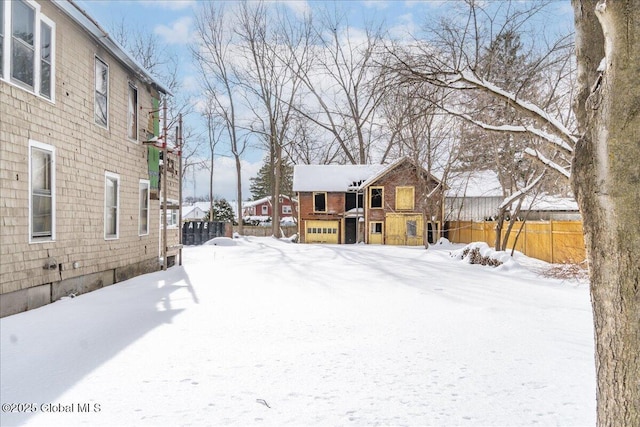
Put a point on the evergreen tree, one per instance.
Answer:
(262, 184)
(222, 211)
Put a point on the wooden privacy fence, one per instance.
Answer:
(551, 241)
(199, 232)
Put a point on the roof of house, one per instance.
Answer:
(262, 200)
(549, 202)
(339, 178)
(82, 18)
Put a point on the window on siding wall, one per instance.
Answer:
(101, 93)
(27, 47)
(265, 210)
(132, 115)
(111, 205)
(23, 45)
(46, 51)
(143, 227)
(319, 202)
(286, 209)
(41, 183)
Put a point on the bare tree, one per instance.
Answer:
(269, 41)
(345, 86)
(493, 82)
(214, 57)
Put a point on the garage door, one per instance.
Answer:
(321, 231)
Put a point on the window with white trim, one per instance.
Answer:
(286, 209)
(143, 216)
(132, 113)
(101, 100)
(265, 210)
(27, 47)
(111, 205)
(42, 201)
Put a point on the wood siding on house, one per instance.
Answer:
(79, 258)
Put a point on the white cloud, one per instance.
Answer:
(178, 32)
(299, 7)
(375, 4)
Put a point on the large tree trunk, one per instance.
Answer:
(606, 180)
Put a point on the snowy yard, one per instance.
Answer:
(271, 333)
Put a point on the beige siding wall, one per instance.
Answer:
(84, 151)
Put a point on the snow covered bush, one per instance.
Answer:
(479, 253)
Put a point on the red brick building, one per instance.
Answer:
(397, 204)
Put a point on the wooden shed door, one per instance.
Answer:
(321, 231)
(404, 229)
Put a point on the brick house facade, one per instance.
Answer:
(77, 208)
(398, 204)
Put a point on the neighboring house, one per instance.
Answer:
(79, 188)
(473, 196)
(193, 213)
(262, 209)
(396, 204)
(476, 196)
(549, 207)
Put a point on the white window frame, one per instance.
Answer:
(95, 98)
(52, 151)
(265, 210)
(144, 184)
(6, 43)
(131, 87)
(286, 209)
(112, 176)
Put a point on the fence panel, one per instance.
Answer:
(551, 241)
(199, 232)
(568, 241)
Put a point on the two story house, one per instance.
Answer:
(79, 199)
(396, 204)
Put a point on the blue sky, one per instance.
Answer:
(172, 21)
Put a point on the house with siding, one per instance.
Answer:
(395, 204)
(79, 188)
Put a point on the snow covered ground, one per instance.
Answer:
(266, 332)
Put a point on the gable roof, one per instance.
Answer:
(334, 178)
(82, 18)
(342, 178)
(371, 180)
(263, 200)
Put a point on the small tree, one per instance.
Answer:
(222, 211)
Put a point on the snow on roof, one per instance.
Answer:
(475, 184)
(549, 202)
(262, 200)
(331, 177)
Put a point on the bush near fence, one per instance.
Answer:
(551, 241)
